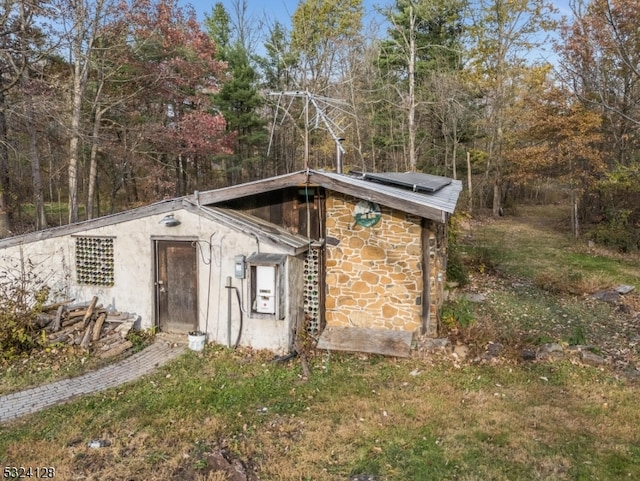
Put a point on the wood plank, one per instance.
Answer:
(57, 322)
(89, 312)
(374, 341)
(97, 330)
(88, 333)
(51, 307)
(250, 188)
(118, 349)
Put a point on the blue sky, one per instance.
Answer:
(266, 12)
(272, 10)
(282, 10)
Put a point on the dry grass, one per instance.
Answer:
(355, 415)
(206, 413)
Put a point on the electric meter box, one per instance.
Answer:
(266, 289)
(239, 267)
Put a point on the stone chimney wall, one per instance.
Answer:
(374, 275)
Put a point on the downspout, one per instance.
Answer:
(228, 286)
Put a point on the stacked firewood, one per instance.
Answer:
(88, 325)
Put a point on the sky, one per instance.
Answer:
(266, 12)
(271, 10)
(282, 10)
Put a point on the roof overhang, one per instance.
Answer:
(435, 206)
(159, 208)
(261, 230)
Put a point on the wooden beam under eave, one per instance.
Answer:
(250, 188)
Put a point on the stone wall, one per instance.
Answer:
(374, 275)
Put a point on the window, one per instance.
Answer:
(94, 261)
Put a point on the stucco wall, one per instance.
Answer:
(373, 274)
(53, 260)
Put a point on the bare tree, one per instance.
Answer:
(15, 22)
(503, 33)
(81, 22)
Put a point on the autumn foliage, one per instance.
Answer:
(111, 104)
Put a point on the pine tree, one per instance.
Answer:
(239, 101)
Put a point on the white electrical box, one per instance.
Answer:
(266, 289)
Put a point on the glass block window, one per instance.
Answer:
(311, 290)
(94, 261)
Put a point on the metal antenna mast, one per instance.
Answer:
(321, 105)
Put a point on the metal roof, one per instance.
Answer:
(444, 199)
(434, 205)
(258, 228)
(431, 205)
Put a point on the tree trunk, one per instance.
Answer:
(93, 164)
(85, 30)
(34, 157)
(412, 96)
(5, 228)
(497, 197)
(470, 186)
(575, 225)
(454, 153)
(74, 142)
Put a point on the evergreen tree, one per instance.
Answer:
(239, 101)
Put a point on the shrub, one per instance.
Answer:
(617, 211)
(458, 315)
(22, 295)
(141, 338)
(617, 232)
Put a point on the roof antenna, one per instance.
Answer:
(321, 106)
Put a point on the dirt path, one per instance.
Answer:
(540, 287)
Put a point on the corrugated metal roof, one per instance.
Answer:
(266, 231)
(444, 199)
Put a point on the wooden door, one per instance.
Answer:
(176, 286)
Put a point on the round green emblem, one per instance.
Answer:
(367, 213)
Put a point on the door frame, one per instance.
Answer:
(155, 271)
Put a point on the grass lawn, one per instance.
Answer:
(396, 419)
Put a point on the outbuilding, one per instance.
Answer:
(359, 260)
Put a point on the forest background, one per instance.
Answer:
(106, 104)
